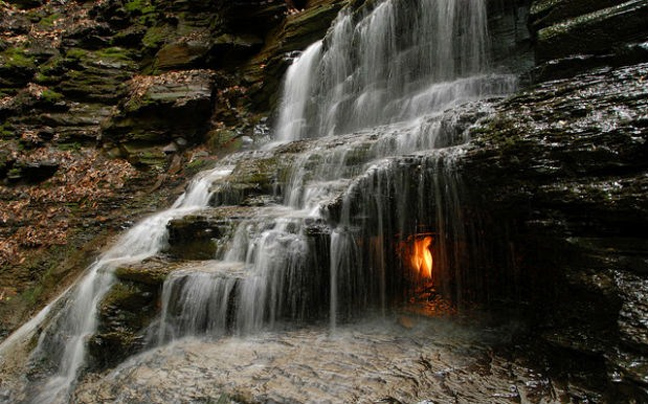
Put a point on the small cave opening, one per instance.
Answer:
(417, 254)
(438, 270)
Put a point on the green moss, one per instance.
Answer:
(32, 295)
(125, 296)
(41, 78)
(134, 104)
(133, 6)
(47, 279)
(51, 71)
(6, 131)
(139, 6)
(155, 37)
(76, 54)
(143, 9)
(48, 22)
(17, 57)
(222, 141)
(75, 146)
(114, 53)
(152, 158)
(14, 173)
(196, 166)
(51, 96)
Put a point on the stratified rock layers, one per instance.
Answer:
(566, 161)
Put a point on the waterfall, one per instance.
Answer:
(62, 344)
(399, 61)
(399, 65)
(374, 90)
(371, 99)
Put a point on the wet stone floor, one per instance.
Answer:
(396, 360)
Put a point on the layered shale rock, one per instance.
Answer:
(569, 173)
(555, 177)
(575, 35)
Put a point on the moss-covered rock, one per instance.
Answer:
(182, 55)
(196, 237)
(17, 67)
(205, 234)
(250, 178)
(151, 272)
(171, 107)
(156, 36)
(97, 76)
(125, 312)
(88, 36)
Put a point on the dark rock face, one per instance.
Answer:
(548, 12)
(594, 33)
(566, 161)
(197, 236)
(124, 313)
(574, 35)
(163, 108)
(575, 152)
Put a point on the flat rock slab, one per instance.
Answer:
(435, 361)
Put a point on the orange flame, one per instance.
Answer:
(421, 258)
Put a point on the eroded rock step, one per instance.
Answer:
(209, 233)
(133, 303)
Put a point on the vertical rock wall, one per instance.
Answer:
(564, 163)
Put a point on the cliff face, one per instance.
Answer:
(106, 107)
(564, 163)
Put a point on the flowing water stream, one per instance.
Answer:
(62, 345)
(367, 107)
(374, 90)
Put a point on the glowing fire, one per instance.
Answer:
(421, 258)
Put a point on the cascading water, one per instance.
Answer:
(371, 98)
(62, 344)
(398, 64)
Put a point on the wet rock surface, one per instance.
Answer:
(574, 153)
(558, 171)
(565, 184)
(593, 33)
(434, 361)
(573, 36)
